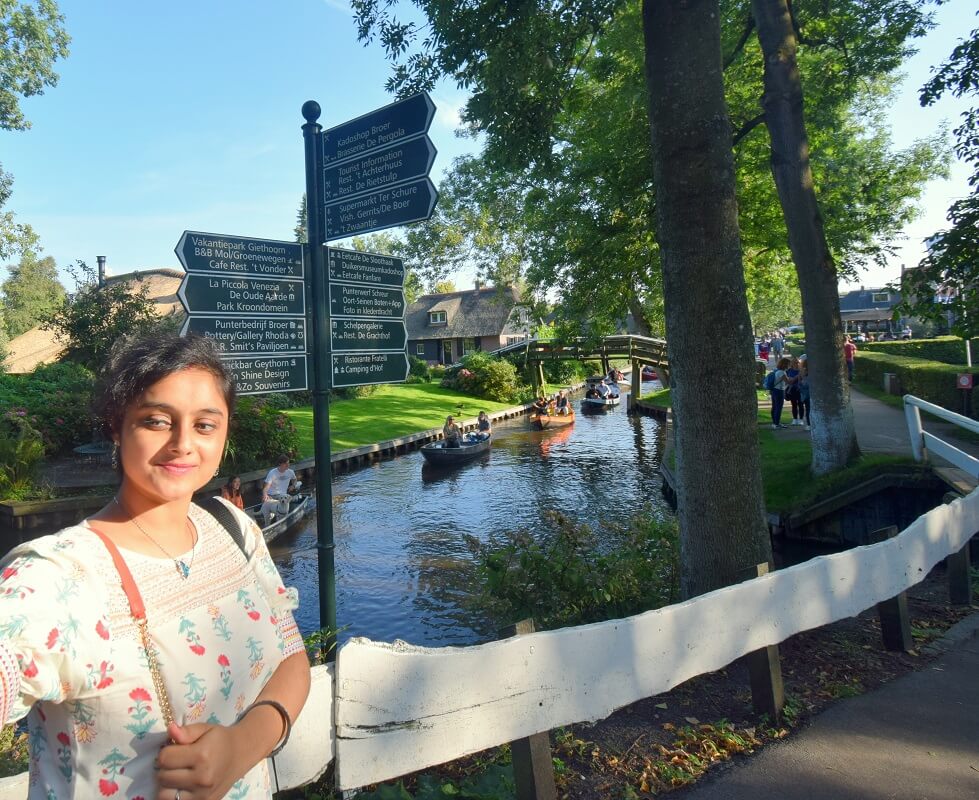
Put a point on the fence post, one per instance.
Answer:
(765, 668)
(533, 768)
(958, 566)
(895, 623)
(913, 415)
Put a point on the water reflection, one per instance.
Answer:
(403, 568)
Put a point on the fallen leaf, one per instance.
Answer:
(661, 705)
(692, 720)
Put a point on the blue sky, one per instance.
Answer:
(181, 115)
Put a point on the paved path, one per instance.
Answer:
(916, 738)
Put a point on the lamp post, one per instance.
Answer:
(101, 263)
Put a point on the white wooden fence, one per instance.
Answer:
(395, 708)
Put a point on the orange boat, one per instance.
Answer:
(551, 420)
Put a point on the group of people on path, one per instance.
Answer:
(790, 381)
(771, 343)
(152, 646)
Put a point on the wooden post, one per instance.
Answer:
(765, 668)
(540, 375)
(533, 768)
(535, 381)
(895, 624)
(636, 380)
(959, 582)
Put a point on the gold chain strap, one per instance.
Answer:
(161, 689)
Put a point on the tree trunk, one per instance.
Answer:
(719, 494)
(834, 439)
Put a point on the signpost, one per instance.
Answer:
(377, 169)
(365, 175)
(360, 369)
(239, 255)
(364, 300)
(393, 123)
(397, 205)
(246, 336)
(220, 294)
(248, 296)
(369, 268)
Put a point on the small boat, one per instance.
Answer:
(543, 421)
(437, 454)
(599, 396)
(649, 374)
(299, 506)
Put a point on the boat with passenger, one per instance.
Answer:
(440, 455)
(600, 395)
(288, 510)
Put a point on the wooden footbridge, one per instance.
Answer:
(639, 350)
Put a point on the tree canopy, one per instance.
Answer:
(950, 271)
(92, 318)
(32, 39)
(30, 293)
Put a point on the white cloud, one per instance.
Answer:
(339, 5)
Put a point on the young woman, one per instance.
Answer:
(451, 433)
(483, 426)
(778, 392)
(231, 492)
(804, 398)
(186, 702)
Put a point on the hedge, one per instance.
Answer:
(930, 380)
(945, 349)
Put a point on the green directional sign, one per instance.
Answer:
(403, 119)
(362, 369)
(226, 294)
(239, 255)
(385, 208)
(373, 268)
(379, 168)
(268, 374)
(367, 334)
(250, 335)
(358, 300)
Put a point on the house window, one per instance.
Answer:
(881, 297)
(468, 346)
(420, 349)
(436, 317)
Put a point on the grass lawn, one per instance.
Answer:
(785, 460)
(393, 410)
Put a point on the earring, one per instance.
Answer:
(217, 472)
(115, 455)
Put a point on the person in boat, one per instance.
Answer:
(451, 433)
(562, 405)
(276, 492)
(483, 427)
(602, 390)
(614, 376)
(540, 405)
(613, 389)
(93, 687)
(231, 492)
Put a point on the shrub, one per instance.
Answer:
(418, 368)
(58, 399)
(930, 380)
(436, 372)
(568, 575)
(486, 376)
(259, 433)
(946, 349)
(21, 452)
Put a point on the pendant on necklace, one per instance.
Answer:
(182, 569)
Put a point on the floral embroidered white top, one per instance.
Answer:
(70, 653)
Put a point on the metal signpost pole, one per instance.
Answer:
(321, 361)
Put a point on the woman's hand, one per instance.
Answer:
(203, 762)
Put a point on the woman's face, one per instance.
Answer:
(236, 483)
(172, 437)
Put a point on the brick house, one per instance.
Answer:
(442, 328)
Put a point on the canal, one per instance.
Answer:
(404, 570)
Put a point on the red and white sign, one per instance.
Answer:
(964, 381)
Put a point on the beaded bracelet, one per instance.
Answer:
(286, 720)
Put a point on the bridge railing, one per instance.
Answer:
(922, 441)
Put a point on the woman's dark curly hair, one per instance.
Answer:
(137, 362)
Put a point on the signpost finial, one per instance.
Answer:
(311, 111)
